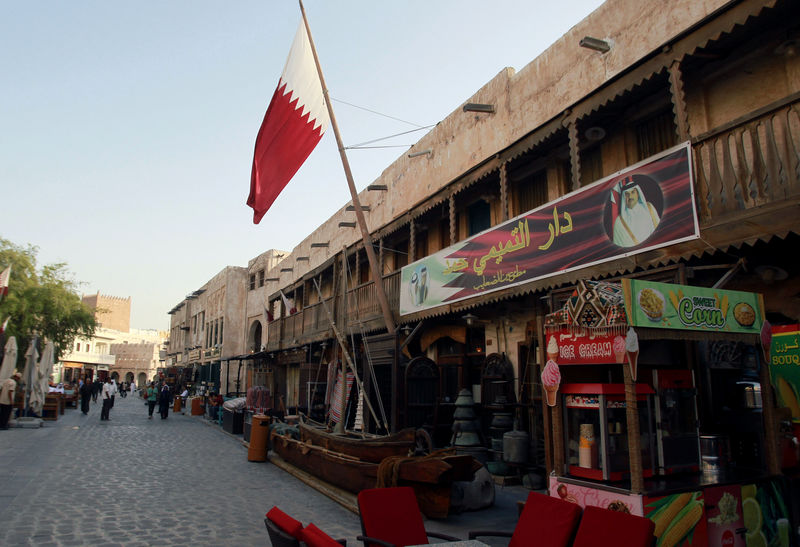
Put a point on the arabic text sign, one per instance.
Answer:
(668, 306)
(583, 228)
(784, 367)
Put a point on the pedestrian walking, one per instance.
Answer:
(7, 391)
(107, 395)
(152, 396)
(113, 391)
(86, 394)
(163, 401)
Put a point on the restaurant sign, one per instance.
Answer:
(668, 306)
(644, 207)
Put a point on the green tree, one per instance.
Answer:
(43, 302)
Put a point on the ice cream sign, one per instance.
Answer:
(575, 347)
(663, 305)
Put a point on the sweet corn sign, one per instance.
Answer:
(668, 306)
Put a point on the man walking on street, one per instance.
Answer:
(108, 388)
(7, 391)
(113, 391)
(152, 395)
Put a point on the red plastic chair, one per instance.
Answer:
(545, 522)
(390, 517)
(605, 528)
(285, 531)
(314, 537)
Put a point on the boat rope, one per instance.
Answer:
(370, 367)
(342, 343)
(389, 468)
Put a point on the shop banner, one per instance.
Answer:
(586, 496)
(724, 511)
(646, 206)
(669, 306)
(784, 367)
(584, 348)
(680, 519)
(765, 514)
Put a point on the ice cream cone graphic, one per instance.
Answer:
(551, 380)
(552, 349)
(619, 349)
(766, 339)
(632, 350)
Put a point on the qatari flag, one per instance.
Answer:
(293, 125)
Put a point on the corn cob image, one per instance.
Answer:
(683, 523)
(787, 394)
(664, 516)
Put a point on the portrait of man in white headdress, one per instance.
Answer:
(636, 218)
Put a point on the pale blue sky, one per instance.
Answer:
(127, 128)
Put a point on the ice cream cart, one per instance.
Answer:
(629, 421)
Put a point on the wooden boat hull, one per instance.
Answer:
(370, 449)
(430, 477)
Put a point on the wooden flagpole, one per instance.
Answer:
(362, 223)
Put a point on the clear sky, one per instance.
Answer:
(127, 127)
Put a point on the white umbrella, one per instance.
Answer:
(46, 368)
(31, 377)
(9, 359)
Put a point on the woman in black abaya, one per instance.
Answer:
(163, 401)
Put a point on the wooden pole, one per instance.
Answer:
(362, 223)
(771, 442)
(634, 436)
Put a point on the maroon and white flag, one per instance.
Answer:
(4, 281)
(293, 125)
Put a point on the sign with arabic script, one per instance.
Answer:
(643, 207)
(683, 307)
(784, 367)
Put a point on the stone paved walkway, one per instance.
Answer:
(179, 481)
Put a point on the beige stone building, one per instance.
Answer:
(629, 82)
(128, 355)
(111, 312)
(631, 85)
(206, 327)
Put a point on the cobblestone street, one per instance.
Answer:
(180, 481)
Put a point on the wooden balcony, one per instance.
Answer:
(312, 322)
(748, 163)
(363, 308)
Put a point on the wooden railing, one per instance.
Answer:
(749, 162)
(362, 302)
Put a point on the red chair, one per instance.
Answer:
(314, 537)
(605, 528)
(390, 517)
(545, 522)
(283, 530)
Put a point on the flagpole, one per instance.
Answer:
(362, 223)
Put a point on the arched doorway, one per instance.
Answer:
(142, 380)
(115, 376)
(129, 377)
(254, 337)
